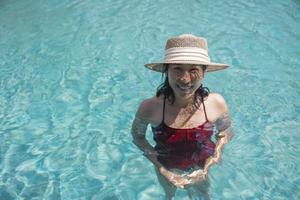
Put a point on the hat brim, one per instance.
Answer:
(210, 67)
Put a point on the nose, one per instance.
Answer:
(185, 77)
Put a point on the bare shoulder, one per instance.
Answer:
(218, 100)
(222, 117)
(217, 104)
(148, 107)
(142, 118)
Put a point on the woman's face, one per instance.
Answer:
(185, 79)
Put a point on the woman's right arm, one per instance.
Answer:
(138, 132)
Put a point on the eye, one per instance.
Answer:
(177, 69)
(194, 70)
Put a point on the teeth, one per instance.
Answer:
(184, 87)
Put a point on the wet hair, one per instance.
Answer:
(166, 90)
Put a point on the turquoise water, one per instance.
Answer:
(72, 76)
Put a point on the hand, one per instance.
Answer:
(174, 178)
(197, 176)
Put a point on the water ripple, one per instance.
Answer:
(72, 76)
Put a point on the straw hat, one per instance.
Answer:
(186, 49)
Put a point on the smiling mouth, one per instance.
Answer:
(185, 89)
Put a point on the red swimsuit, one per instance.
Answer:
(183, 148)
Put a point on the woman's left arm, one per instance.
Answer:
(224, 135)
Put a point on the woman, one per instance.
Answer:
(183, 116)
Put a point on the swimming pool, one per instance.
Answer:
(72, 77)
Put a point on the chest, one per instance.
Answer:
(182, 118)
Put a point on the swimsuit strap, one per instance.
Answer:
(204, 109)
(163, 119)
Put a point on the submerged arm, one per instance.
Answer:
(225, 133)
(138, 132)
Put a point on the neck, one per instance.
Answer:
(184, 102)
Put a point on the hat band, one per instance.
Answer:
(186, 54)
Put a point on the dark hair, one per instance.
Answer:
(167, 91)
